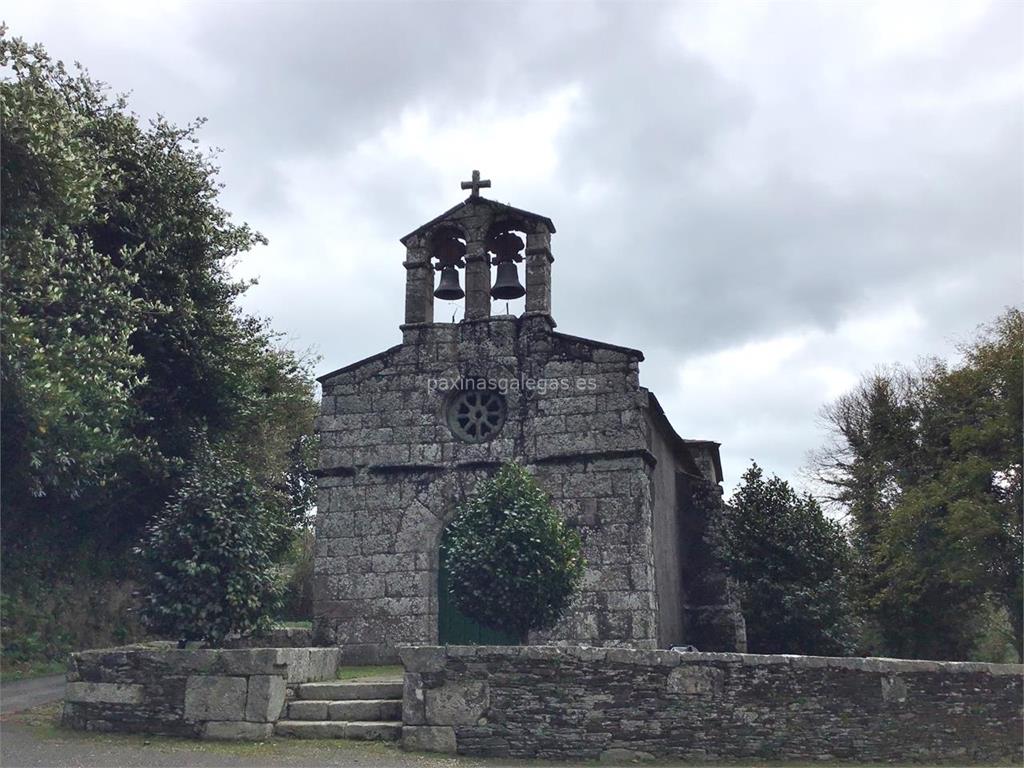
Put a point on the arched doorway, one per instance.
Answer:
(453, 626)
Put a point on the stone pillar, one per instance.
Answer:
(478, 281)
(419, 286)
(538, 271)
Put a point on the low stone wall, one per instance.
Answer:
(278, 637)
(205, 693)
(580, 702)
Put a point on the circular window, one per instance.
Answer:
(476, 415)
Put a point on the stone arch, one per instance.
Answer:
(446, 247)
(496, 242)
(457, 486)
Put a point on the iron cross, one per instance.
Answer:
(476, 184)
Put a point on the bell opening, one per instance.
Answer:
(506, 283)
(448, 287)
(448, 252)
(506, 244)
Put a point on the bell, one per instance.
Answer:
(448, 287)
(506, 284)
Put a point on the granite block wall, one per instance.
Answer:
(393, 474)
(625, 704)
(204, 693)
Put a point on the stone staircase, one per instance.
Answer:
(370, 711)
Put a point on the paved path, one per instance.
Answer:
(31, 739)
(24, 694)
(26, 746)
(33, 746)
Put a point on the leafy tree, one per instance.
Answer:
(863, 470)
(207, 556)
(69, 370)
(941, 549)
(122, 339)
(791, 564)
(514, 563)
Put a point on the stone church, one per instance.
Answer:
(408, 433)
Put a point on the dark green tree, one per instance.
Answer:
(863, 471)
(207, 556)
(69, 370)
(938, 554)
(513, 561)
(791, 564)
(121, 338)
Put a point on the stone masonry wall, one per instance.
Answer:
(206, 693)
(392, 475)
(584, 703)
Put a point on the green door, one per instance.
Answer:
(454, 627)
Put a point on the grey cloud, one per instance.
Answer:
(667, 262)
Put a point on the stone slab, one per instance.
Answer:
(265, 698)
(429, 738)
(371, 709)
(310, 729)
(349, 691)
(374, 731)
(104, 693)
(229, 730)
(307, 710)
(413, 701)
(461, 703)
(215, 697)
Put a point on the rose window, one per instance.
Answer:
(476, 415)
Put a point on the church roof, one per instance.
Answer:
(471, 200)
(599, 344)
(680, 443)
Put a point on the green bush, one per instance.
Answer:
(297, 601)
(209, 556)
(514, 563)
(53, 602)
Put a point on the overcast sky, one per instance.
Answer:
(768, 199)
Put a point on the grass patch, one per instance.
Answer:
(370, 672)
(294, 624)
(24, 670)
(45, 723)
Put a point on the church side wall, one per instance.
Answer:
(668, 550)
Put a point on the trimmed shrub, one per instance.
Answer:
(208, 556)
(513, 562)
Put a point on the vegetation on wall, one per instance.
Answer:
(123, 350)
(513, 562)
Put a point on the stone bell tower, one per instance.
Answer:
(462, 238)
(408, 433)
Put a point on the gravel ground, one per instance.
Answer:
(32, 739)
(24, 694)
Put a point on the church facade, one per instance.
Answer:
(408, 433)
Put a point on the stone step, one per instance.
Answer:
(353, 711)
(338, 729)
(349, 691)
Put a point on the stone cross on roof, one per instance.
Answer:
(476, 184)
